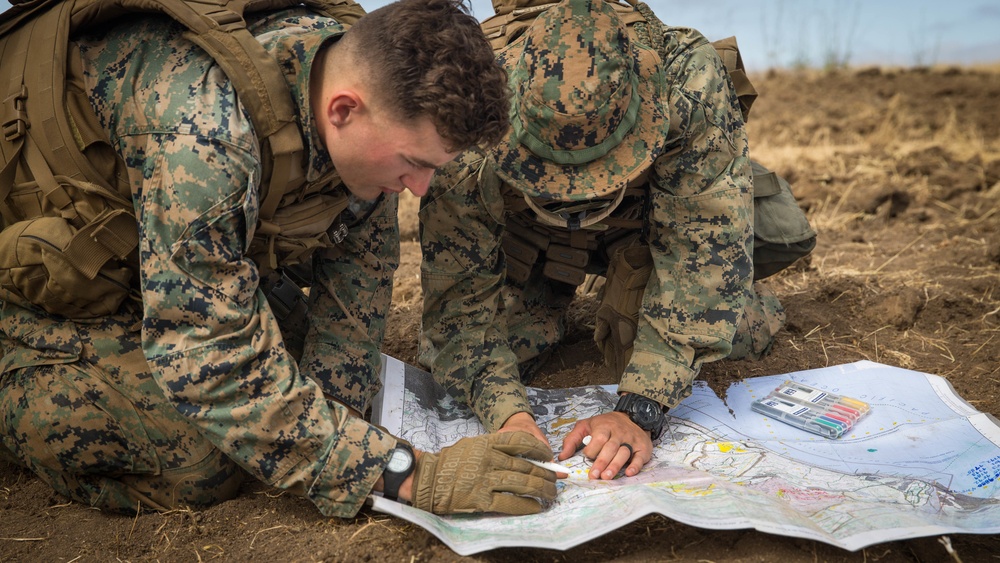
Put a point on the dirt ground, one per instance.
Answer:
(899, 171)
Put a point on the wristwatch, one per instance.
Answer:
(644, 412)
(400, 466)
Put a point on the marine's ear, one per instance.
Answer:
(343, 106)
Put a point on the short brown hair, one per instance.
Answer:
(430, 58)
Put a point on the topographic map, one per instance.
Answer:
(922, 462)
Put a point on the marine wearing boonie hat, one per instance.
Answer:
(587, 114)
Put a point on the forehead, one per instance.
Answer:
(419, 140)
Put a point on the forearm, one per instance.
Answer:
(468, 354)
(349, 305)
(244, 393)
(463, 341)
(214, 345)
(700, 237)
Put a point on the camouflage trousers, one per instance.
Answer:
(80, 408)
(536, 322)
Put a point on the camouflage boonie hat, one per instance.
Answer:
(587, 114)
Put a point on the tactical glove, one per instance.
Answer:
(617, 317)
(484, 474)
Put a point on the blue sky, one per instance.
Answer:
(782, 33)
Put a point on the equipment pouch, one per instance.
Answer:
(517, 271)
(618, 315)
(521, 257)
(37, 267)
(564, 272)
(568, 255)
(517, 249)
(297, 230)
(782, 233)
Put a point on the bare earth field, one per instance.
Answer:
(899, 171)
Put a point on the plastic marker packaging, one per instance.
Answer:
(811, 409)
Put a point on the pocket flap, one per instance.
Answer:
(30, 339)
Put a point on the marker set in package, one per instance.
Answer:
(811, 409)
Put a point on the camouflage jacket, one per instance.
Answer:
(699, 230)
(208, 332)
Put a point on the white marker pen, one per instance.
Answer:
(549, 465)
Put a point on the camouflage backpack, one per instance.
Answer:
(69, 234)
(782, 233)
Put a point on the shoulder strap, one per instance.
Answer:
(40, 139)
(219, 27)
(733, 61)
(35, 127)
(511, 20)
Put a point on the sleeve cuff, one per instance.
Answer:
(497, 409)
(354, 462)
(657, 377)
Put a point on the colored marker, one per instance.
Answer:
(853, 414)
(838, 416)
(800, 392)
(826, 419)
(838, 428)
(811, 409)
(861, 406)
(798, 415)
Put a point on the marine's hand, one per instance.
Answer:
(524, 422)
(485, 474)
(607, 433)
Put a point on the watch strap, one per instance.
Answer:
(393, 480)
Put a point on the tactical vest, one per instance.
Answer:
(569, 255)
(782, 233)
(69, 234)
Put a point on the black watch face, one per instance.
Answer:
(646, 413)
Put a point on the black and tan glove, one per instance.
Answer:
(484, 474)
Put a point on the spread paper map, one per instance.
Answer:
(922, 462)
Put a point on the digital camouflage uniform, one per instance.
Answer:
(189, 387)
(482, 331)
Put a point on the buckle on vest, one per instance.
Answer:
(339, 234)
(285, 297)
(15, 123)
(226, 20)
